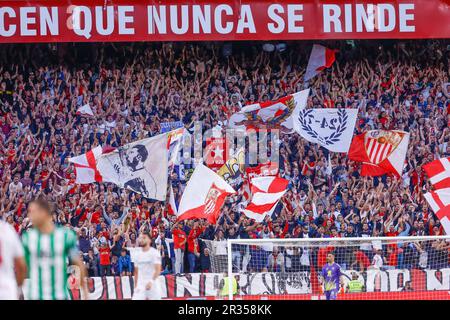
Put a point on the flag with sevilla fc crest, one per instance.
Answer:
(380, 151)
(204, 195)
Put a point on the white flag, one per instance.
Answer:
(331, 128)
(329, 169)
(85, 109)
(140, 166)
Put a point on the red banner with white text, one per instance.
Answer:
(183, 20)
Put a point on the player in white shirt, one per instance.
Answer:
(11, 258)
(377, 261)
(147, 268)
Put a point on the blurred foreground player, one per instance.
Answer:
(147, 267)
(331, 277)
(47, 248)
(11, 259)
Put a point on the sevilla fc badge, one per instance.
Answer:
(212, 198)
(380, 144)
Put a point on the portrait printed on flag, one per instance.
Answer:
(141, 166)
(132, 170)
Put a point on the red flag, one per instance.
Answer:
(215, 152)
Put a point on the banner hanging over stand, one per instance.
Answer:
(218, 20)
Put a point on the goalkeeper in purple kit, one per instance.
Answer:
(331, 278)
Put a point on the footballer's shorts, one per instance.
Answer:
(8, 290)
(331, 294)
(9, 295)
(142, 294)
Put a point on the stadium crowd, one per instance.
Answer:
(133, 88)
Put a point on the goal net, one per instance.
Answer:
(385, 268)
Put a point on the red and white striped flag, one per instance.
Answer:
(377, 151)
(439, 202)
(261, 170)
(85, 110)
(266, 192)
(438, 172)
(320, 59)
(245, 190)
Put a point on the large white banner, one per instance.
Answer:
(141, 166)
(429, 282)
(331, 128)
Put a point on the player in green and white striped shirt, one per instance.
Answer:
(48, 249)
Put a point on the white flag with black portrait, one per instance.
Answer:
(140, 166)
(331, 128)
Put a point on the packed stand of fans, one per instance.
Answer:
(132, 88)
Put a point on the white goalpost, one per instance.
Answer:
(383, 268)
